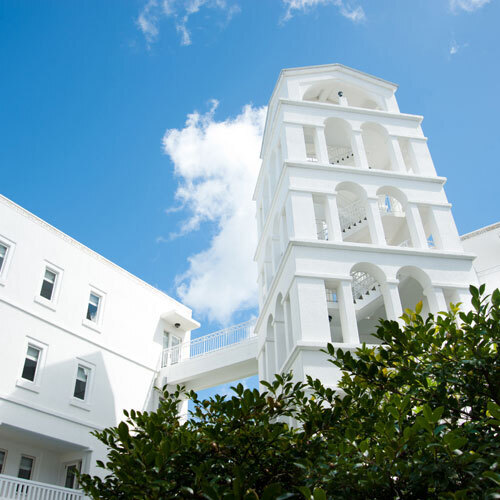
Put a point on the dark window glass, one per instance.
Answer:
(48, 284)
(3, 253)
(82, 376)
(25, 467)
(30, 363)
(2, 460)
(71, 481)
(93, 307)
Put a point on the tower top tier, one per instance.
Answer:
(323, 84)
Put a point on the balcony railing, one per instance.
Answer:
(208, 344)
(13, 488)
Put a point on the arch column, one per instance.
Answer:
(280, 343)
(300, 215)
(392, 300)
(436, 299)
(397, 160)
(276, 252)
(358, 148)
(333, 218)
(261, 362)
(375, 222)
(415, 226)
(320, 144)
(309, 311)
(292, 142)
(348, 321)
(288, 326)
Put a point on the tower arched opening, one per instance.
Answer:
(352, 209)
(377, 147)
(338, 136)
(412, 283)
(369, 301)
(335, 91)
(392, 203)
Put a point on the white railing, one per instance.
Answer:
(363, 284)
(405, 243)
(389, 205)
(339, 154)
(322, 229)
(352, 215)
(13, 488)
(207, 344)
(331, 295)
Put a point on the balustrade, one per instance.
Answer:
(14, 488)
(208, 344)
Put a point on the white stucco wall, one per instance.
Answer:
(485, 243)
(122, 350)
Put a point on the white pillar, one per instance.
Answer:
(320, 144)
(392, 300)
(397, 160)
(436, 299)
(348, 321)
(261, 362)
(280, 343)
(333, 218)
(309, 310)
(358, 148)
(415, 226)
(288, 326)
(270, 357)
(444, 222)
(375, 222)
(300, 215)
(293, 142)
(283, 234)
(421, 157)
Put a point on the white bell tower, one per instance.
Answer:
(353, 220)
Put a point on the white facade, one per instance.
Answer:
(353, 220)
(44, 415)
(485, 244)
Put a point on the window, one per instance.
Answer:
(3, 456)
(31, 363)
(48, 284)
(93, 307)
(82, 377)
(26, 467)
(173, 343)
(71, 480)
(3, 255)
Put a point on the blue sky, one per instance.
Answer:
(96, 97)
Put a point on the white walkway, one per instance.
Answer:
(217, 358)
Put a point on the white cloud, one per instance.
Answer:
(355, 14)
(455, 47)
(148, 21)
(180, 12)
(467, 5)
(217, 163)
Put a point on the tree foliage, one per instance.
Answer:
(416, 417)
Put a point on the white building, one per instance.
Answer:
(353, 224)
(485, 244)
(80, 340)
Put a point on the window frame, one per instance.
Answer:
(33, 385)
(52, 302)
(2, 467)
(32, 472)
(83, 404)
(10, 245)
(97, 324)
